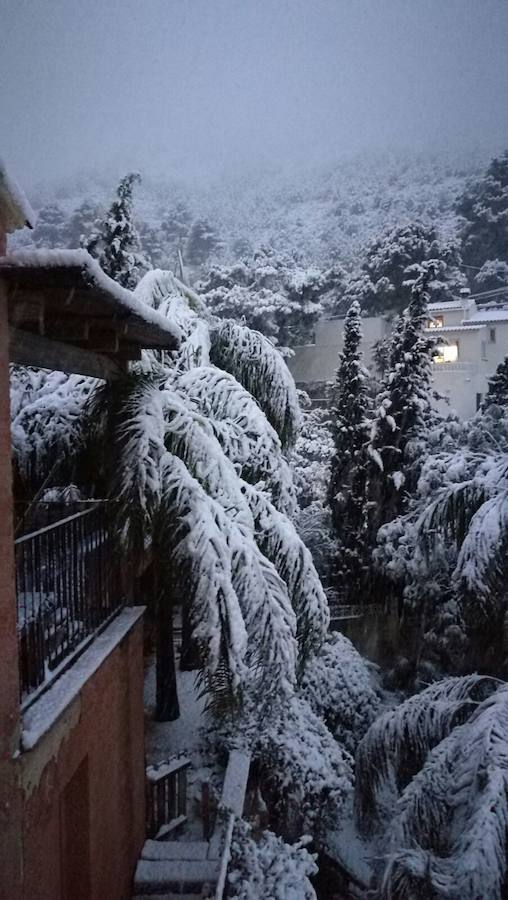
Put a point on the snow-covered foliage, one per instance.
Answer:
(484, 211)
(348, 471)
(403, 410)
(254, 362)
(497, 394)
(116, 242)
(328, 213)
(397, 744)
(271, 293)
(307, 777)
(46, 411)
(448, 837)
(337, 685)
(384, 281)
(263, 866)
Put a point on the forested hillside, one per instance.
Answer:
(324, 214)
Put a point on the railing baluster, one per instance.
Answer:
(64, 573)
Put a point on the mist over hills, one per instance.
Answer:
(323, 214)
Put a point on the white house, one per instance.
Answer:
(472, 339)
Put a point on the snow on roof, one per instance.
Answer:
(448, 305)
(15, 210)
(490, 315)
(93, 277)
(448, 328)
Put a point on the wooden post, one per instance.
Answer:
(10, 791)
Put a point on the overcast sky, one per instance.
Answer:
(199, 85)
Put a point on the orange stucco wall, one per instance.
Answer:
(100, 738)
(10, 798)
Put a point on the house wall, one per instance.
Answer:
(93, 754)
(10, 796)
(313, 363)
(459, 383)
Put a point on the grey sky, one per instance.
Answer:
(202, 84)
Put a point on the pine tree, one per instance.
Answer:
(497, 394)
(116, 244)
(350, 434)
(404, 409)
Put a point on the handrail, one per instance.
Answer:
(53, 525)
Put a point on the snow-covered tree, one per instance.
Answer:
(270, 292)
(339, 689)
(116, 242)
(484, 209)
(310, 465)
(492, 275)
(350, 432)
(403, 409)
(434, 773)
(52, 227)
(384, 282)
(191, 446)
(497, 394)
(202, 241)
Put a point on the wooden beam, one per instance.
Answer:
(28, 349)
(103, 339)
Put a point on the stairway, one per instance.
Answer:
(194, 870)
(176, 869)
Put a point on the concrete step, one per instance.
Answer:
(174, 850)
(174, 876)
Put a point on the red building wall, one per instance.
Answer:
(84, 788)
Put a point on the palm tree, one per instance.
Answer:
(191, 446)
(441, 757)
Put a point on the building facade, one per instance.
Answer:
(471, 340)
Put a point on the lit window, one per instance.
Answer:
(447, 353)
(435, 322)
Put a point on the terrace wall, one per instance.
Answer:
(83, 785)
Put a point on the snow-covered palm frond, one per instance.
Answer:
(260, 368)
(194, 534)
(239, 606)
(449, 835)
(246, 436)
(163, 292)
(190, 435)
(397, 743)
(338, 685)
(46, 411)
(482, 556)
(280, 543)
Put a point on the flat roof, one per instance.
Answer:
(64, 296)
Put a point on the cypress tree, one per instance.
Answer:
(349, 427)
(497, 394)
(116, 244)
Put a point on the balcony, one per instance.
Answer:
(67, 588)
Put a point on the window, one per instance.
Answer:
(435, 322)
(447, 353)
(492, 335)
(484, 350)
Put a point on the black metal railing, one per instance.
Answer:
(67, 588)
(166, 796)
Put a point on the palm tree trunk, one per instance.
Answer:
(189, 657)
(167, 708)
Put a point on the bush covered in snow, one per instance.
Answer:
(337, 685)
(263, 867)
